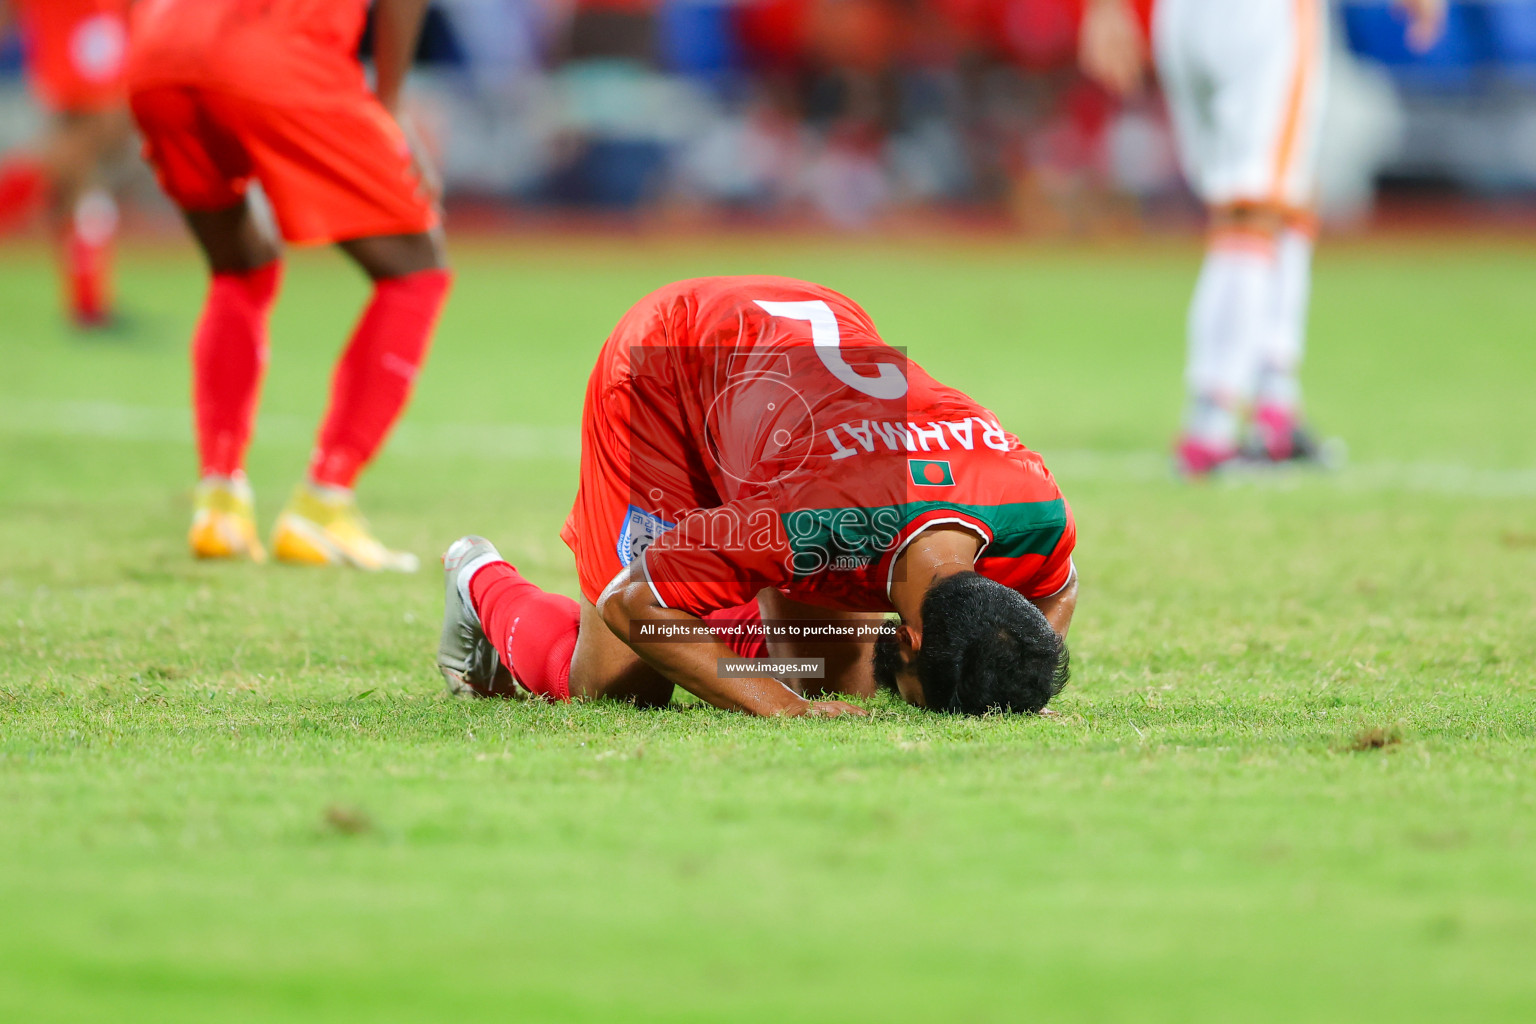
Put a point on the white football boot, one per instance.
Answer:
(466, 658)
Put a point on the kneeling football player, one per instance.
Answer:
(753, 453)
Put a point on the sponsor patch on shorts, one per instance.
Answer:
(636, 533)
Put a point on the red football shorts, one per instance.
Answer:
(76, 53)
(332, 172)
(638, 461)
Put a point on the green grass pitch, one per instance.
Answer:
(234, 793)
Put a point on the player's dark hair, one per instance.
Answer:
(986, 648)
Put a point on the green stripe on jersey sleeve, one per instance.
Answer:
(865, 534)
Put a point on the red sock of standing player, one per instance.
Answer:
(374, 377)
(534, 632)
(229, 353)
(86, 278)
(88, 259)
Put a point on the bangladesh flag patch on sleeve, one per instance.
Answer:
(931, 472)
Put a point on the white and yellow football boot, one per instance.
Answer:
(224, 520)
(322, 526)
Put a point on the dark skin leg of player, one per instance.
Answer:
(234, 242)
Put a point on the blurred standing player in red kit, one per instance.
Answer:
(227, 92)
(75, 51)
(752, 450)
(1246, 86)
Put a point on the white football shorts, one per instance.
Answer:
(1245, 84)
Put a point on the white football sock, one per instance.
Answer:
(1285, 340)
(1228, 318)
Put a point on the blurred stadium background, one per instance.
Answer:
(852, 113)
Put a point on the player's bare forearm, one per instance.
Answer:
(1058, 608)
(694, 665)
(847, 662)
(396, 30)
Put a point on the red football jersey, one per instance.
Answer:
(826, 448)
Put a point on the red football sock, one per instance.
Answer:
(88, 259)
(741, 628)
(374, 377)
(534, 632)
(23, 189)
(87, 277)
(229, 354)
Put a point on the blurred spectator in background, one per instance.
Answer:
(857, 112)
(1246, 87)
(844, 110)
(75, 52)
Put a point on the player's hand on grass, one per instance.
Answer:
(826, 709)
(1110, 48)
(1426, 22)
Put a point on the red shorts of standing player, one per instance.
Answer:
(761, 474)
(227, 93)
(75, 52)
